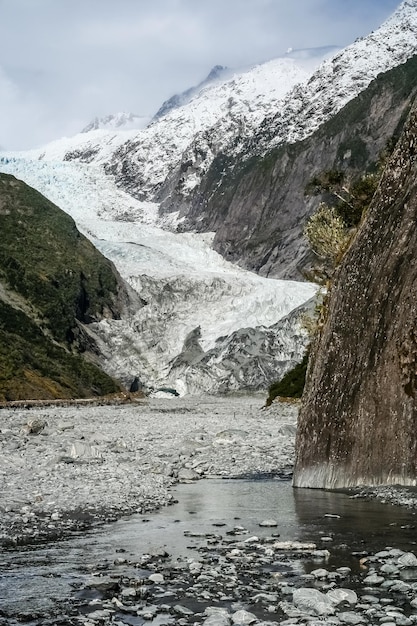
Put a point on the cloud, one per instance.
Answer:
(66, 62)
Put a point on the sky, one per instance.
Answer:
(64, 62)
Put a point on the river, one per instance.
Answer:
(38, 580)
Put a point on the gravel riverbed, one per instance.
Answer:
(64, 468)
(70, 468)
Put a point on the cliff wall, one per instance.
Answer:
(358, 423)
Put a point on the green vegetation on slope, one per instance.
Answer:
(45, 259)
(32, 366)
(51, 280)
(291, 385)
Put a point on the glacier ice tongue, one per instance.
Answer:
(184, 283)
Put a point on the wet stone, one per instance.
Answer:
(407, 560)
(268, 523)
(312, 602)
(244, 617)
(374, 580)
(348, 617)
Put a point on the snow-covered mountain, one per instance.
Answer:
(250, 112)
(242, 101)
(340, 78)
(117, 121)
(201, 313)
(216, 74)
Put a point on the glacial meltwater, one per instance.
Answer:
(213, 521)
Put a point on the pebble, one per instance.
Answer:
(156, 578)
(243, 617)
(407, 560)
(374, 580)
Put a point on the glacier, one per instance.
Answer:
(248, 332)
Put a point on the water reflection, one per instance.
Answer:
(37, 577)
(355, 522)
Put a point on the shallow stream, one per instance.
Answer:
(35, 579)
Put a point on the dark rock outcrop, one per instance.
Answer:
(248, 359)
(358, 423)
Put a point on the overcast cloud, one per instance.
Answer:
(63, 62)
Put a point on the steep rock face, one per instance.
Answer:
(258, 209)
(358, 423)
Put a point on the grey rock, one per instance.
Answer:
(348, 617)
(186, 473)
(342, 595)
(243, 617)
(312, 601)
(389, 569)
(407, 560)
(148, 612)
(183, 610)
(216, 617)
(320, 573)
(373, 580)
(231, 435)
(395, 552)
(84, 451)
(128, 592)
(34, 426)
(400, 586)
(156, 578)
(101, 615)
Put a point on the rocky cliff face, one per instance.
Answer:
(258, 209)
(358, 423)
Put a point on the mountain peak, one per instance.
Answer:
(119, 121)
(217, 73)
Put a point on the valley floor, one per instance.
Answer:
(64, 468)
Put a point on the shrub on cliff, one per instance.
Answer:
(327, 234)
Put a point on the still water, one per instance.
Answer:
(37, 577)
